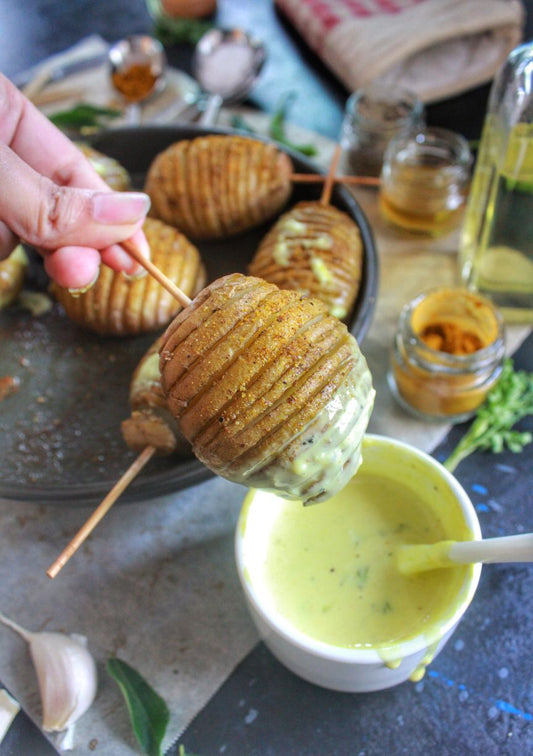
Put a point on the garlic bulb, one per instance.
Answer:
(66, 673)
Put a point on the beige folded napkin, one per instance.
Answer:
(436, 48)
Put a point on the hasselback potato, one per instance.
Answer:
(117, 305)
(270, 390)
(12, 275)
(215, 186)
(151, 422)
(315, 249)
(113, 173)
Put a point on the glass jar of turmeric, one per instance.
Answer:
(447, 354)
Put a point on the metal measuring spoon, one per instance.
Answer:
(137, 67)
(226, 64)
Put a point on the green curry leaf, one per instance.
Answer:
(148, 711)
(83, 115)
(277, 127)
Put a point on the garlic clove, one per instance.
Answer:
(9, 708)
(67, 678)
(66, 673)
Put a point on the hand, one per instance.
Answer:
(52, 198)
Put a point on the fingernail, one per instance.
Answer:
(131, 270)
(136, 275)
(120, 207)
(82, 289)
(130, 267)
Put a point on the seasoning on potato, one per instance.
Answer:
(212, 187)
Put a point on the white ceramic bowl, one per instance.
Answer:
(359, 669)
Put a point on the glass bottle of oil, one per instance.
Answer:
(496, 251)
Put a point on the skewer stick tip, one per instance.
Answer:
(319, 178)
(101, 510)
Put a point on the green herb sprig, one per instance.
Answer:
(238, 122)
(82, 116)
(277, 127)
(148, 711)
(510, 400)
(175, 31)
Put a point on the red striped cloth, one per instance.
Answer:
(437, 48)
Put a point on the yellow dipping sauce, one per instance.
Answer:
(331, 571)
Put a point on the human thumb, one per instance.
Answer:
(49, 216)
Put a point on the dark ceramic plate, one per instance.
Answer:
(60, 438)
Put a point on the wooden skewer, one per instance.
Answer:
(101, 510)
(328, 186)
(146, 454)
(318, 178)
(154, 271)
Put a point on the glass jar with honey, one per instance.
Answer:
(447, 354)
(424, 181)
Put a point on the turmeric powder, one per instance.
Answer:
(136, 81)
(451, 338)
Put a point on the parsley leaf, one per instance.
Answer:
(510, 400)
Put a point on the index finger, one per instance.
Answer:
(40, 144)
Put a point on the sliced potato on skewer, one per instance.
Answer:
(151, 422)
(270, 390)
(117, 305)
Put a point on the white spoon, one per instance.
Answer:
(422, 557)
